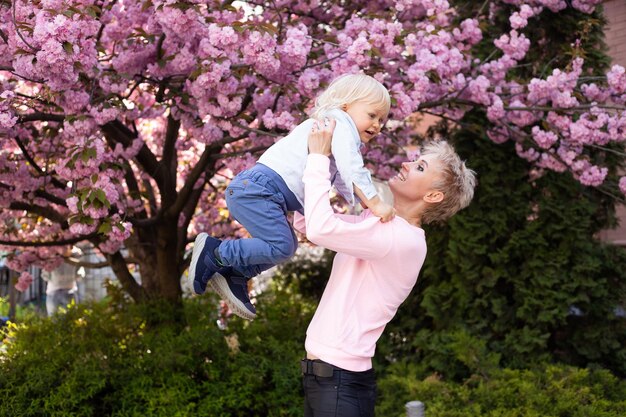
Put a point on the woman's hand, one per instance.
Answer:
(321, 136)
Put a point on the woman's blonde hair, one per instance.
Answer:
(350, 88)
(456, 182)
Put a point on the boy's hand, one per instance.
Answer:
(321, 136)
(383, 210)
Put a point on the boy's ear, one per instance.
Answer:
(433, 196)
(344, 107)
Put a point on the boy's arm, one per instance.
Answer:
(366, 239)
(376, 205)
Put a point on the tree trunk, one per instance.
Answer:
(168, 271)
(12, 295)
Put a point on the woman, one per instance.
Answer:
(375, 268)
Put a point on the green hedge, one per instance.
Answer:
(98, 360)
(107, 360)
(551, 391)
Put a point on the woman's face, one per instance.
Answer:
(415, 179)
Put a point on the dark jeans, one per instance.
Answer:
(345, 394)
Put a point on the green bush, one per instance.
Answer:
(106, 359)
(23, 313)
(550, 391)
(102, 360)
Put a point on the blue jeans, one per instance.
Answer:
(59, 298)
(256, 201)
(345, 394)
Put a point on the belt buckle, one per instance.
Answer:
(304, 366)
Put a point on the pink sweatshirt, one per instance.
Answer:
(375, 268)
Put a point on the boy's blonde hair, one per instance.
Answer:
(350, 88)
(456, 182)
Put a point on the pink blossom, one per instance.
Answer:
(622, 185)
(593, 176)
(309, 81)
(7, 120)
(550, 162)
(259, 50)
(296, 48)
(616, 78)
(586, 6)
(496, 112)
(498, 135)
(104, 115)
(405, 104)
(514, 44)
(114, 83)
(469, 32)
(529, 154)
(478, 89)
(24, 281)
(72, 204)
(544, 139)
(594, 93)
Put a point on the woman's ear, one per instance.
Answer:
(433, 196)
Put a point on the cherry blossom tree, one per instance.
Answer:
(121, 120)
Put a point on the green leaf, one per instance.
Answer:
(68, 47)
(93, 11)
(105, 228)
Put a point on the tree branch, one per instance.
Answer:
(243, 152)
(187, 213)
(258, 131)
(580, 107)
(63, 242)
(95, 265)
(322, 62)
(46, 212)
(33, 49)
(116, 132)
(118, 264)
(36, 166)
(437, 103)
(150, 221)
(41, 117)
(169, 161)
(192, 178)
(133, 187)
(51, 198)
(151, 198)
(605, 149)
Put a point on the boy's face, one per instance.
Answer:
(415, 179)
(368, 118)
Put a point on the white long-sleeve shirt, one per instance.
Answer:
(62, 278)
(375, 268)
(288, 156)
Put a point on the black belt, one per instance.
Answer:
(316, 367)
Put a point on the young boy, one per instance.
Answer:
(260, 198)
(374, 271)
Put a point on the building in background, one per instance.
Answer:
(615, 33)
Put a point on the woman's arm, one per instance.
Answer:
(366, 239)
